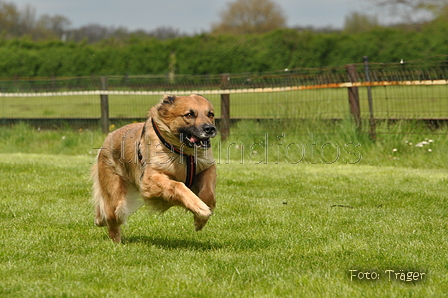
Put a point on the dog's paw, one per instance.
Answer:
(201, 216)
(199, 222)
(100, 222)
(203, 211)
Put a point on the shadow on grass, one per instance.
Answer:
(173, 243)
(206, 245)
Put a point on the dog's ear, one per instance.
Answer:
(165, 104)
(168, 99)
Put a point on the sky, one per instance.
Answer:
(189, 16)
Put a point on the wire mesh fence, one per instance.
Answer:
(407, 90)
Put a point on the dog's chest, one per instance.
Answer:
(175, 165)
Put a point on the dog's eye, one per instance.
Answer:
(189, 115)
(211, 115)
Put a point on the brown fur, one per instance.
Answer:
(120, 179)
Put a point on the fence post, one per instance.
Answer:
(353, 95)
(225, 108)
(372, 131)
(104, 106)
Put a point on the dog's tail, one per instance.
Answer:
(97, 199)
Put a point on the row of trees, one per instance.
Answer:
(253, 41)
(18, 22)
(214, 54)
(239, 17)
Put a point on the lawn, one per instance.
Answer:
(279, 230)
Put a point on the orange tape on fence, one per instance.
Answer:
(232, 91)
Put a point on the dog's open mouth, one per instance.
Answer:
(192, 141)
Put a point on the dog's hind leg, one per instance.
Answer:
(110, 199)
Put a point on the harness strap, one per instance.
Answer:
(191, 171)
(139, 153)
(191, 162)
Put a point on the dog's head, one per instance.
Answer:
(190, 120)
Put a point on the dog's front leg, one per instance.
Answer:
(206, 185)
(156, 186)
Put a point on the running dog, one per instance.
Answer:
(166, 160)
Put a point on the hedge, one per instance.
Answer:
(214, 54)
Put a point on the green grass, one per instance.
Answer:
(280, 229)
(389, 102)
(299, 142)
(404, 144)
(26, 139)
(275, 233)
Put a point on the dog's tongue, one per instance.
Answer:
(193, 139)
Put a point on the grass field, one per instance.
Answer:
(388, 102)
(279, 231)
(282, 228)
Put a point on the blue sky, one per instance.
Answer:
(190, 16)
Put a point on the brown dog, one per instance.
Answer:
(167, 161)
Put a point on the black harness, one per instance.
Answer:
(191, 162)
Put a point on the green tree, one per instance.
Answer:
(412, 10)
(9, 18)
(250, 16)
(357, 22)
(56, 24)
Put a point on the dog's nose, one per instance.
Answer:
(209, 129)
